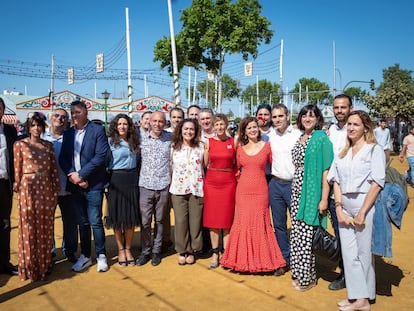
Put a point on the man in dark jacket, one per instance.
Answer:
(8, 136)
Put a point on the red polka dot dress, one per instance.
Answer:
(252, 245)
(37, 187)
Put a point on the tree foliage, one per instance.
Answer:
(395, 95)
(357, 94)
(230, 90)
(212, 29)
(311, 91)
(268, 94)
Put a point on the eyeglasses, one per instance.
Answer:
(60, 116)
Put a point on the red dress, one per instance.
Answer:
(252, 245)
(219, 185)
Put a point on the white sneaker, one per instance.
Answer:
(82, 263)
(102, 264)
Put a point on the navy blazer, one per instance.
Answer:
(93, 154)
(11, 136)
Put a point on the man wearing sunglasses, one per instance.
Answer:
(58, 123)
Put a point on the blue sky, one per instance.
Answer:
(369, 36)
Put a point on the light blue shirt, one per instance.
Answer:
(57, 143)
(122, 156)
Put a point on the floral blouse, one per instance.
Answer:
(187, 171)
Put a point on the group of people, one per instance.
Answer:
(220, 188)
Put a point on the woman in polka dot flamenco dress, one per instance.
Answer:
(37, 187)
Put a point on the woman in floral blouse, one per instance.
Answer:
(187, 189)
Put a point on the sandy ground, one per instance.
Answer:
(196, 287)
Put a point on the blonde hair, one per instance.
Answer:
(369, 131)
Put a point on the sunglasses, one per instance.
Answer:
(60, 116)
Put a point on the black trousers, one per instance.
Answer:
(6, 202)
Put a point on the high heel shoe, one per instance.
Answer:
(122, 263)
(302, 288)
(129, 261)
(214, 263)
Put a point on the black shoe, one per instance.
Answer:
(166, 246)
(143, 259)
(338, 284)
(9, 269)
(281, 271)
(72, 258)
(156, 259)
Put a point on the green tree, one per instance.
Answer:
(211, 30)
(357, 94)
(317, 92)
(268, 94)
(230, 90)
(394, 98)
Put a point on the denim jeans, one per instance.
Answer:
(411, 171)
(279, 198)
(89, 207)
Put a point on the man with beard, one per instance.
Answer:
(342, 106)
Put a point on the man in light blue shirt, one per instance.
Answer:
(59, 122)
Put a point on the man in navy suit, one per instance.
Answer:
(83, 159)
(8, 136)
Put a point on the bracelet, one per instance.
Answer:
(339, 204)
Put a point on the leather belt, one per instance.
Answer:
(280, 179)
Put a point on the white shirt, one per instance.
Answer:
(337, 136)
(355, 174)
(282, 145)
(4, 158)
(383, 137)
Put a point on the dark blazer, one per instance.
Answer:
(93, 154)
(11, 136)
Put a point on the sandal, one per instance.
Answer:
(122, 263)
(190, 258)
(130, 260)
(182, 259)
(214, 263)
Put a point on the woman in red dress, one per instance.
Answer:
(252, 245)
(219, 185)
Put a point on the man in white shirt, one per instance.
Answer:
(205, 119)
(342, 106)
(282, 138)
(382, 135)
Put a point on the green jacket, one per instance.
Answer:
(318, 158)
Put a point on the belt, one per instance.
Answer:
(220, 169)
(280, 179)
(35, 173)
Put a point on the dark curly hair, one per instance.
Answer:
(177, 138)
(132, 135)
(243, 140)
(35, 117)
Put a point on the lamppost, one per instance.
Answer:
(105, 96)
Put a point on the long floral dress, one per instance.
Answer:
(302, 260)
(37, 187)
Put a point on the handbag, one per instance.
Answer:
(325, 244)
